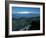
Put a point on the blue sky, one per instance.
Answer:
(25, 11)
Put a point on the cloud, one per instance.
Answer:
(25, 12)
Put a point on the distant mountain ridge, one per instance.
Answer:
(24, 15)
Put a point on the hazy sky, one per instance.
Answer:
(25, 11)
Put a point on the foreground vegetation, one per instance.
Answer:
(22, 23)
